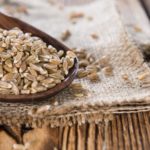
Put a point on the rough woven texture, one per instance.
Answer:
(103, 97)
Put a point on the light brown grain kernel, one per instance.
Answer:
(25, 91)
(143, 75)
(108, 70)
(4, 45)
(75, 15)
(50, 66)
(56, 76)
(48, 81)
(125, 77)
(104, 61)
(48, 85)
(79, 95)
(5, 91)
(32, 59)
(93, 77)
(71, 54)
(38, 68)
(81, 55)
(9, 77)
(41, 88)
(18, 64)
(1, 71)
(92, 68)
(65, 66)
(137, 29)
(34, 84)
(5, 85)
(90, 58)
(26, 85)
(70, 62)
(60, 53)
(8, 62)
(83, 63)
(22, 9)
(29, 76)
(18, 57)
(82, 73)
(33, 72)
(40, 77)
(76, 86)
(65, 35)
(33, 90)
(23, 67)
(55, 61)
(14, 70)
(94, 36)
(4, 55)
(8, 69)
(15, 88)
(57, 81)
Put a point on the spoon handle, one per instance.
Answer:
(8, 22)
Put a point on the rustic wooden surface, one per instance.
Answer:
(123, 132)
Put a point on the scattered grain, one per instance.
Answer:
(125, 77)
(76, 86)
(108, 70)
(82, 73)
(89, 65)
(75, 15)
(79, 95)
(104, 61)
(93, 77)
(94, 36)
(83, 63)
(65, 35)
(137, 29)
(143, 76)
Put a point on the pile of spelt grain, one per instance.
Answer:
(29, 65)
(90, 67)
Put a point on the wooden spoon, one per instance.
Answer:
(7, 22)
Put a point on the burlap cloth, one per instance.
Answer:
(110, 95)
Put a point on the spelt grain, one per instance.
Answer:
(65, 35)
(29, 65)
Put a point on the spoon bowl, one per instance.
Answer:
(7, 22)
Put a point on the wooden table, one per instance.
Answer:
(125, 131)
